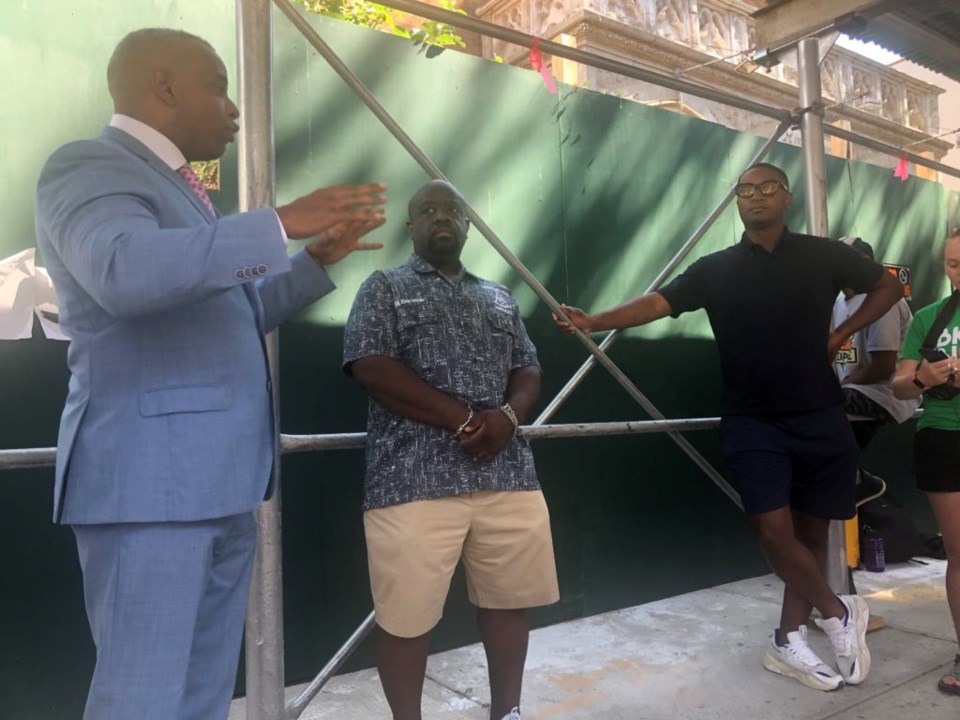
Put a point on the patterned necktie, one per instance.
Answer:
(187, 173)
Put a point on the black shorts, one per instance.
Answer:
(807, 461)
(936, 460)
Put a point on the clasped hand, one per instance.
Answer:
(336, 217)
(488, 433)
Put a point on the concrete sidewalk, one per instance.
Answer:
(692, 657)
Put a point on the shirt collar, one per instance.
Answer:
(155, 141)
(753, 248)
(420, 265)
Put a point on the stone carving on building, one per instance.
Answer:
(673, 20)
(858, 91)
(714, 32)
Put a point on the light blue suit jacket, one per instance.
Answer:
(169, 412)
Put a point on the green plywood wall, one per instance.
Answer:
(592, 193)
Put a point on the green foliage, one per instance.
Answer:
(431, 37)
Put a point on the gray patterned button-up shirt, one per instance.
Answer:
(463, 337)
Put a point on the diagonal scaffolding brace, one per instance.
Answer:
(614, 335)
(368, 99)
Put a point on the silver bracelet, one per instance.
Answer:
(508, 411)
(466, 422)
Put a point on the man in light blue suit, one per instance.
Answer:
(167, 441)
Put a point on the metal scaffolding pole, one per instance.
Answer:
(407, 143)
(264, 628)
(815, 186)
(811, 132)
(661, 79)
(612, 336)
(870, 143)
(593, 59)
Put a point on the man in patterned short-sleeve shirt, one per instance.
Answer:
(450, 372)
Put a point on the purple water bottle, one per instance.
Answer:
(872, 551)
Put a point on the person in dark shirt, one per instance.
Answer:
(451, 373)
(783, 434)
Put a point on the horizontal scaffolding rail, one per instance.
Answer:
(45, 457)
(661, 79)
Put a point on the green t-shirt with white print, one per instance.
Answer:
(940, 414)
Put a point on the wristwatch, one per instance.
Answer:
(918, 382)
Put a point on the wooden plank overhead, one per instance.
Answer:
(787, 20)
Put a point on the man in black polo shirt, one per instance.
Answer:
(784, 434)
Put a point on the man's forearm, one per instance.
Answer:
(878, 301)
(638, 311)
(523, 391)
(401, 391)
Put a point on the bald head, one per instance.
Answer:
(438, 224)
(141, 54)
(433, 187)
(176, 83)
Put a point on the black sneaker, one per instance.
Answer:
(869, 487)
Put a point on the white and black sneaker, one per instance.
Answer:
(512, 715)
(797, 660)
(849, 639)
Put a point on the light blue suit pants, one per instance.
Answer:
(166, 604)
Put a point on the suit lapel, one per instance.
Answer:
(143, 152)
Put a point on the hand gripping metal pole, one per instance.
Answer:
(264, 629)
(613, 336)
(378, 110)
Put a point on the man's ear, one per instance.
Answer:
(161, 84)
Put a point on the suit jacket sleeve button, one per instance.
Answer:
(239, 274)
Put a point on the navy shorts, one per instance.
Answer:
(807, 461)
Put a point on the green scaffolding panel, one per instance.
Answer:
(594, 194)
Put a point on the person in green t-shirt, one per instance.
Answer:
(936, 444)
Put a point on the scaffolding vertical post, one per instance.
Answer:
(264, 629)
(815, 186)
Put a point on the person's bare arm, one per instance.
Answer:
(638, 311)
(401, 391)
(883, 296)
(879, 368)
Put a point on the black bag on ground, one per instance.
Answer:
(887, 518)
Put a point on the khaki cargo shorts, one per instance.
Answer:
(413, 548)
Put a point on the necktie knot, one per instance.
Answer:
(187, 173)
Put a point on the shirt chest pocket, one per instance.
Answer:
(421, 335)
(498, 337)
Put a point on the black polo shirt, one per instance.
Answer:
(770, 313)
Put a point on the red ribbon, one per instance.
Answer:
(537, 63)
(901, 171)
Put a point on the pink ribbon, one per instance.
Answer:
(537, 63)
(901, 171)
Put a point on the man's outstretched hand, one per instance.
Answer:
(335, 243)
(325, 208)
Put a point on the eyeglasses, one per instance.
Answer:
(766, 188)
